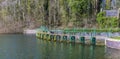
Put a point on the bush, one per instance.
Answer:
(106, 22)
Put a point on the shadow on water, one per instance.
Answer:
(57, 50)
(87, 53)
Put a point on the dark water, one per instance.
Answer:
(18, 46)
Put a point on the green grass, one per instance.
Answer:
(117, 38)
(91, 30)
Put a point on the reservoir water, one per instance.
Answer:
(20, 46)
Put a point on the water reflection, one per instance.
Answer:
(87, 53)
(112, 53)
(56, 50)
(18, 46)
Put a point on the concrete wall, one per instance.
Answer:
(112, 43)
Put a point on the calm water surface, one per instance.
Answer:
(19, 46)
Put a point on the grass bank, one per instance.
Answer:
(116, 38)
(91, 30)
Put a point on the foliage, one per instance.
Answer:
(116, 38)
(50, 13)
(106, 22)
(79, 7)
(108, 4)
(76, 10)
(91, 30)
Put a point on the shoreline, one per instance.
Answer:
(94, 40)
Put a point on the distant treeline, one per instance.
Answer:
(50, 13)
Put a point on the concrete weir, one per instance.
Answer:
(96, 40)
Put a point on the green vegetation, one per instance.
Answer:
(17, 15)
(91, 30)
(106, 22)
(48, 12)
(117, 38)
